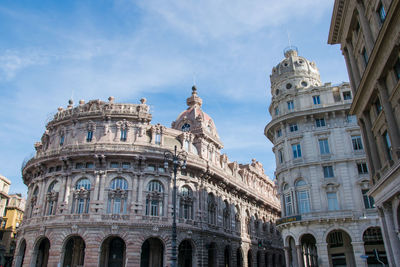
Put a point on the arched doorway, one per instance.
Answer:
(185, 254)
(74, 252)
(258, 258)
(227, 256)
(274, 260)
(292, 252)
(373, 240)
(249, 258)
(40, 254)
(19, 259)
(113, 252)
(212, 255)
(239, 258)
(309, 250)
(152, 253)
(340, 250)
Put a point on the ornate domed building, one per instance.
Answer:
(100, 193)
(321, 170)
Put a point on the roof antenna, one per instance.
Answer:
(288, 37)
(194, 78)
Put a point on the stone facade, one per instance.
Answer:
(369, 36)
(99, 193)
(321, 173)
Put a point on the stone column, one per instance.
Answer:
(350, 70)
(391, 121)
(367, 147)
(385, 234)
(358, 249)
(371, 142)
(300, 260)
(322, 249)
(391, 232)
(369, 41)
(287, 257)
(353, 63)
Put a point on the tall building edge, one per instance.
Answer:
(369, 36)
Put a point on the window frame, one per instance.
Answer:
(324, 146)
(316, 99)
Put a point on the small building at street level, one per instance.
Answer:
(100, 193)
(368, 32)
(321, 170)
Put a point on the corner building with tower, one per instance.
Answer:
(322, 173)
(100, 193)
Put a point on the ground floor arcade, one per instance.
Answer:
(148, 247)
(337, 244)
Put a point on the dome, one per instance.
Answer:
(294, 72)
(195, 120)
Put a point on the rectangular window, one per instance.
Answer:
(316, 100)
(280, 155)
(81, 206)
(320, 122)
(332, 201)
(347, 95)
(151, 168)
(123, 134)
(369, 202)
(114, 165)
(79, 165)
(276, 111)
(378, 106)
(58, 168)
(296, 148)
(396, 69)
(279, 133)
(62, 140)
(351, 118)
(362, 168)
(288, 205)
(51, 169)
(388, 144)
(158, 139)
(365, 56)
(89, 165)
(290, 105)
(381, 12)
(126, 165)
(357, 143)
(328, 171)
(293, 127)
(323, 146)
(89, 136)
(303, 199)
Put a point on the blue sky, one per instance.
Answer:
(52, 50)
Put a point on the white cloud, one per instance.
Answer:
(222, 18)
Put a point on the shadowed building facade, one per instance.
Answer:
(321, 169)
(368, 32)
(100, 195)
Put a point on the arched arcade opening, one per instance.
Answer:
(152, 254)
(113, 252)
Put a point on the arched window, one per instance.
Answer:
(287, 200)
(248, 222)
(186, 203)
(81, 196)
(212, 209)
(237, 219)
(303, 196)
(227, 215)
(52, 198)
(117, 196)
(155, 198)
(33, 201)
